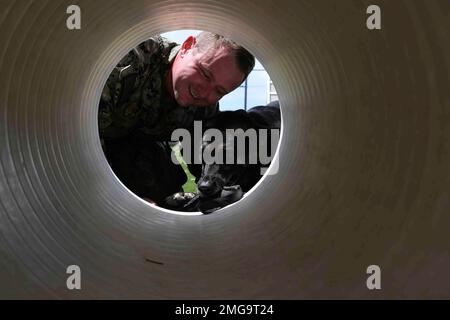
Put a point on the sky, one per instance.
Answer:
(256, 83)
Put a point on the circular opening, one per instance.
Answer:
(189, 122)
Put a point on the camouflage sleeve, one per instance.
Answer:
(120, 85)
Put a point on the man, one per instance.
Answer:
(158, 87)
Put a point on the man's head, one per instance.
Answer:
(206, 68)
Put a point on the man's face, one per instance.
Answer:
(201, 78)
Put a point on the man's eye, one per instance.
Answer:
(204, 73)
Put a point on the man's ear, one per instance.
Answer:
(188, 44)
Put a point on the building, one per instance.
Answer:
(271, 91)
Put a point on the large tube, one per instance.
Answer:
(364, 159)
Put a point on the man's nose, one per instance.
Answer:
(204, 91)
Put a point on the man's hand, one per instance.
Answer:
(229, 195)
(179, 200)
(189, 202)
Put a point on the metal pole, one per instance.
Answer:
(245, 95)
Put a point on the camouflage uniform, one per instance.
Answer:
(135, 118)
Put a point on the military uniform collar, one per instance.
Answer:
(173, 53)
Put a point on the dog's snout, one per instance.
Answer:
(206, 186)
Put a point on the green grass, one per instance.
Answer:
(190, 185)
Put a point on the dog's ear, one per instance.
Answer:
(259, 122)
(240, 113)
(265, 117)
(227, 119)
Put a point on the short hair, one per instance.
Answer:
(244, 59)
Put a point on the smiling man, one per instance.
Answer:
(160, 86)
(157, 87)
(201, 75)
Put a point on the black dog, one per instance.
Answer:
(223, 184)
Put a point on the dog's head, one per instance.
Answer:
(215, 175)
(238, 166)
